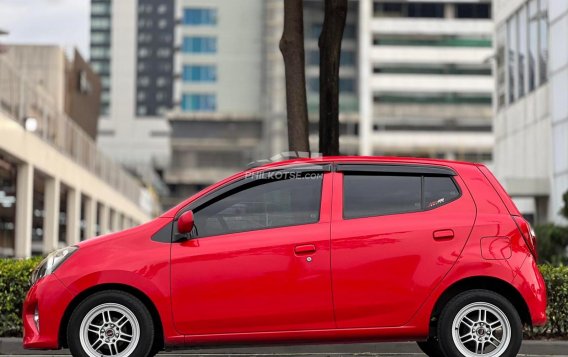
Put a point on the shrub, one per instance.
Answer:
(14, 284)
(557, 288)
(552, 241)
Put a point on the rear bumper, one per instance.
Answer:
(51, 298)
(531, 285)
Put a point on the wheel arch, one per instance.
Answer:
(496, 285)
(156, 320)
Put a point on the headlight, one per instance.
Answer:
(52, 262)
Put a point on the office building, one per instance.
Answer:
(425, 79)
(531, 111)
(132, 49)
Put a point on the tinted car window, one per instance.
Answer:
(262, 204)
(438, 191)
(374, 195)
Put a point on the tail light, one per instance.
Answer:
(528, 234)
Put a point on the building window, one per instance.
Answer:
(163, 23)
(162, 82)
(410, 9)
(100, 8)
(500, 62)
(543, 56)
(199, 73)
(162, 9)
(98, 23)
(432, 41)
(164, 52)
(143, 52)
(346, 85)
(199, 44)
(522, 49)
(347, 58)
(100, 38)
(533, 43)
(100, 52)
(199, 102)
(144, 37)
(473, 11)
(512, 57)
(199, 17)
(143, 81)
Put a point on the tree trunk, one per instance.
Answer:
(292, 48)
(330, 50)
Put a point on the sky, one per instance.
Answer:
(54, 22)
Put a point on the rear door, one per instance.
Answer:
(396, 231)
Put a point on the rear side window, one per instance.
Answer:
(368, 194)
(439, 190)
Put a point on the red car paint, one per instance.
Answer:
(372, 278)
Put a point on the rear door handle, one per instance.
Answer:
(305, 249)
(443, 234)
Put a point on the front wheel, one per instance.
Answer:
(110, 323)
(480, 323)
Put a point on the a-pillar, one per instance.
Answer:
(73, 216)
(90, 217)
(51, 216)
(104, 214)
(24, 210)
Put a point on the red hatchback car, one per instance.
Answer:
(313, 250)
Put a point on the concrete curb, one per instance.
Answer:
(13, 346)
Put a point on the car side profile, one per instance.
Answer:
(335, 249)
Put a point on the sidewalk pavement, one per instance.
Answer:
(13, 346)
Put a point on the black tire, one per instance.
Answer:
(488, 299)
(144, 345)
(430, 347)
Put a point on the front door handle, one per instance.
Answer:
(443, 234)
(305, 249)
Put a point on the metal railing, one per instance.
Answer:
(23, 100)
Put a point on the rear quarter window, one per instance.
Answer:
(439, 190)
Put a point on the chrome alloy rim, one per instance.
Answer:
(109, 330)
(481, 329)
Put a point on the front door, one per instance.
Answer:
(259, 259)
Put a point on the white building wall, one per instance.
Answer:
(531, 134)
(558, 15)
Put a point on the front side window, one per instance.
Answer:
(262, 204)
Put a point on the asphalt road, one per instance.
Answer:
(12, 347)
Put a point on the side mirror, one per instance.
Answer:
(185, 223)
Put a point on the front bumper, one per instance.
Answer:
(51, 298)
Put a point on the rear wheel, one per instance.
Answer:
(480, 323)
(110, 323)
